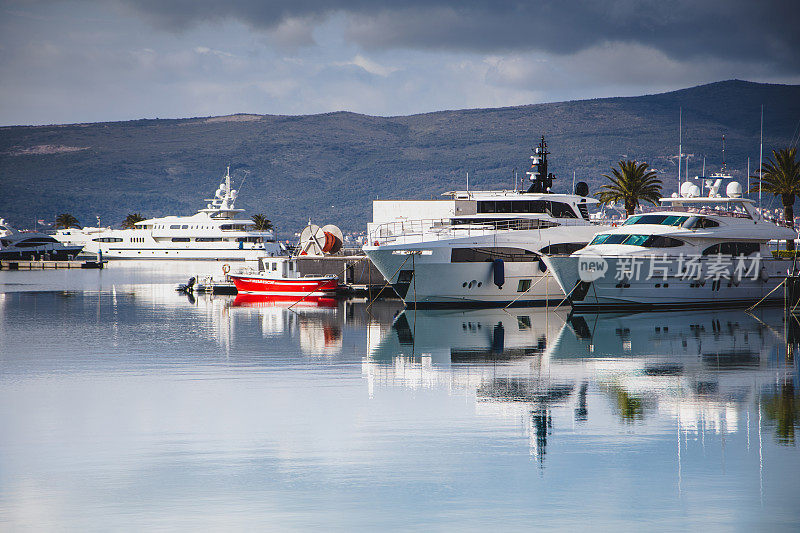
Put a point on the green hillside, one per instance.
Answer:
(330, 167)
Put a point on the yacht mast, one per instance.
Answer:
(680, 146)
(760, 161)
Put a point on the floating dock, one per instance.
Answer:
(18, 264)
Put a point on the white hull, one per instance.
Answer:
(429, 278)
(609, 292)
(110, 251)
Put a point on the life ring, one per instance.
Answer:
(226, 268)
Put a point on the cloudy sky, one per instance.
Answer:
(86, 61)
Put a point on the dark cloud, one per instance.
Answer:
(762, 31)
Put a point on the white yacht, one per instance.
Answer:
(480, 247)
(215, 232)
(15, 244)
(695, 251)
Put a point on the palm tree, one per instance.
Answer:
(66, 221)
(781, 176)
(262, 223)
(131, 220)
(631, 183)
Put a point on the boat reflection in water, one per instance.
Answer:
(697, 373)
(285, 301)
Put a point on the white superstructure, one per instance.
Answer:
(479, 247)
(695, 251)
(215, 232)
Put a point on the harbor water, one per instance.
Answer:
(125, 405)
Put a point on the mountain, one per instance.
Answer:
(330, 167)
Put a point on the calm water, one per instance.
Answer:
(124, 405)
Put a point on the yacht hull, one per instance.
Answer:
(613, 292)
(53, 253)
(432, 280)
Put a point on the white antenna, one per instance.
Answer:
(680, 145)
(515, 180)
(748, 175)
(760, 161)
(573, 181)
(467, 181)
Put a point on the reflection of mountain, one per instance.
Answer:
(701, 370)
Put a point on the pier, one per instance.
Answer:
(19, 264)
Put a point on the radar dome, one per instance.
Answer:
(582, 188)
(693, 192)
(685, 188)
(734, 190)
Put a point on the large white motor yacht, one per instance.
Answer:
(32, 245)
(696, 251)
(480, 247)
(214, 232)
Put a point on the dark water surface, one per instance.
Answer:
(124, 405)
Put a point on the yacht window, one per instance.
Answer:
(599, 239)
(291, 267)
(561, 210)
(274, 266)
(37, 241)
(702, 223)
(481, 255)
(524, 285)
(733, 248)
(175, 226)
(660, 241)
(180, 239)
(565, 248)
(615, 239)
(208, 239)
(185, 226)
(108, 239)
(636, 240)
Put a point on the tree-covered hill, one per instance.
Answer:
(330, 167)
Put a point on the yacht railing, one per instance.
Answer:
(444, 228)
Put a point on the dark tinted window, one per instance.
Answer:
(563, 248)
(180, 239)
(481, 255)
(733, 248)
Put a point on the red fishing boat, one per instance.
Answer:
(279, 275)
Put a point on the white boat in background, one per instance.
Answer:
(480, 248)
(696, 251)
(215, 232)
(32, 245)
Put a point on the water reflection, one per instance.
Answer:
(134, 398)
(704, 371)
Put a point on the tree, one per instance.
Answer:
(131, 220)
(262, 223)
(66, 221)
(632, 183)
(781, 177)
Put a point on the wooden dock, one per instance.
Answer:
(18, 264)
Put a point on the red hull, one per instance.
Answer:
(299, 286)
(271, 300)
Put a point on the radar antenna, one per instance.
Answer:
(542, 181)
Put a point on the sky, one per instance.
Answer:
(73, 61)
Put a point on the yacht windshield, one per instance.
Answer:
(647, 241)
(664, 220)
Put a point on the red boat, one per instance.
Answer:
(282, 300)
(279, 275)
